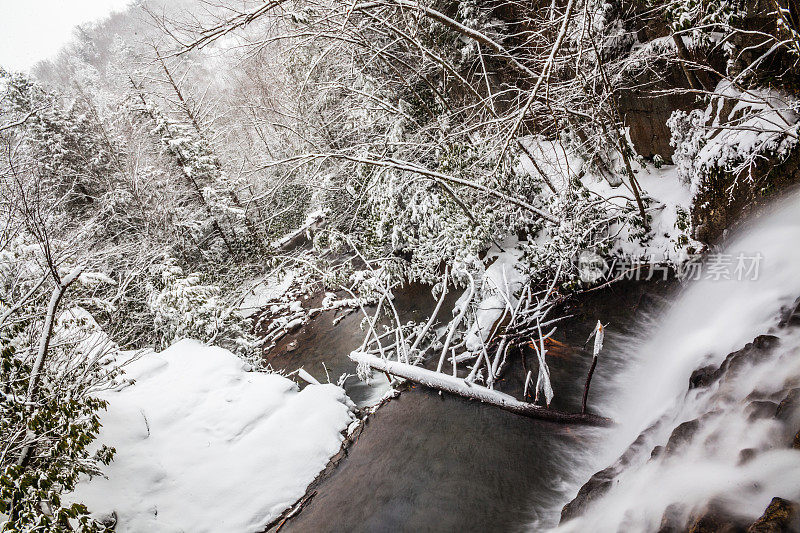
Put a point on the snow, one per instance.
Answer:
(331, 302)
(500, 282)
(436, 380)
(204, 445)
(669, 194)
(552, 159)
(662, 185)
(599, 335)
(314, 220)
(92, 279)
(759, 121)
(78, 327)
(736, 130)
(369, 393)
(264, 292)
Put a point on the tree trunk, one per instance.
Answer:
(683, 55)
(465, 389)
(44, 346)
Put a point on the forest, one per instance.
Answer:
(319, 265)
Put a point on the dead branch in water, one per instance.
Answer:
(465, 389)
(598, 335)
(522, 317)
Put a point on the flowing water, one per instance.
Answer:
(427, 462)
(733, 458)
(321, 346)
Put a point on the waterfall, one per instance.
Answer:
(731, 453)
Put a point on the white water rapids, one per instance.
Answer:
(706, 322)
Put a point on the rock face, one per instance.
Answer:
(703, 377)
(791, 315)
(597, 486)
(781, 516)
(788, 412)
(723, 199)
(681, 435)
(646, 115)
(789, 406)
(672, 522)
(600, 483)
(752, 351)
(761, 409)
(713, 522)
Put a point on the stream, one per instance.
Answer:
(431, 462)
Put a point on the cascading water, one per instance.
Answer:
(728, 455)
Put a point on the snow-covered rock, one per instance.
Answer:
(500, 283)
(204, 445)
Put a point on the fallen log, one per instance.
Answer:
(465, 389)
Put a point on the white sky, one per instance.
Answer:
(32, 30)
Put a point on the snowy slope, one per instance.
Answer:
(264, 292)
(667, 193)
(204, 445)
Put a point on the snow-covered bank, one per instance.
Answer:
(264, 292)
(204, 445)
(667, 195)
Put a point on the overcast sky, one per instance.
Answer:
(32, 30)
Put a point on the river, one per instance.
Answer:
(427, 462)
(431, 462)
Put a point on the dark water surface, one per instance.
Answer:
(321, 347)
(431, 462)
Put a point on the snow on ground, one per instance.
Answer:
(204, 445)
(669, 194)
(762, 120)
(663, 186)
(264, 292)
(77, 326)
(551, 159)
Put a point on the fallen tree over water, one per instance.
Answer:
(463, 388)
